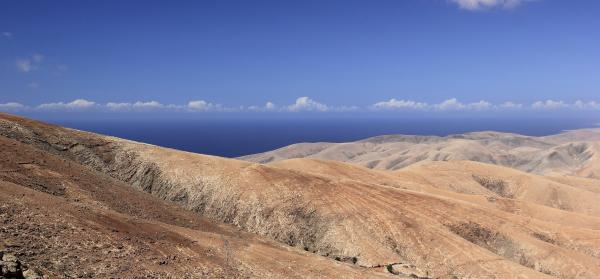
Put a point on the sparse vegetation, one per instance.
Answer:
(497, 243)
(495, 185)
(544, 237)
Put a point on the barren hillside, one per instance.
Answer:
(571, 153)
(493, 222)
(65, 220)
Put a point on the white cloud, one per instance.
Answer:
(201, 105)
(557, 104)
(474, 5)
(511, 105)
(118, 106)
(307, 104)
(7, 34)
(147, 105)
(81, 103)
(481, 105)
(345, 108)
(450, 104)
(586, 105)
(26, 65)
(549, 104)
(153, 105)
(76, 104)
(269, 106)
(455, 104)
(399, 104)
(197, 105)
(12, 106)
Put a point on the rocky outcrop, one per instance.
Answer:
(11, 268)
(31, 274)
(408, 270)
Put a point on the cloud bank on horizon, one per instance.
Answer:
(302, 104)
(474, 5)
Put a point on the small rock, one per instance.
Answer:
(10, 267)
(407, 270)
(9, 258)
(31, 274)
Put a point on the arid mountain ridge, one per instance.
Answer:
(181, 214)
(571, 153)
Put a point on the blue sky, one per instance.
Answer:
(393, 56)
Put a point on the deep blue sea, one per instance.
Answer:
(237, 137)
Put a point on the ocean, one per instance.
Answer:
(237, 137)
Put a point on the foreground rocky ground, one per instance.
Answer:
(76, 204)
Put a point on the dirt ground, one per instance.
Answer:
(65, 220)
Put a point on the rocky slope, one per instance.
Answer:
(61, 219)
(356, 221)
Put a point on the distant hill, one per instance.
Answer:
(573, 153)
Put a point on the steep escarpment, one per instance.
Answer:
(278, 214)
(288, 219)
(65, 220)
(99, 153)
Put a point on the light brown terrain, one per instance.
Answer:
(79, 202)
(575, 153)
(66, 221)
